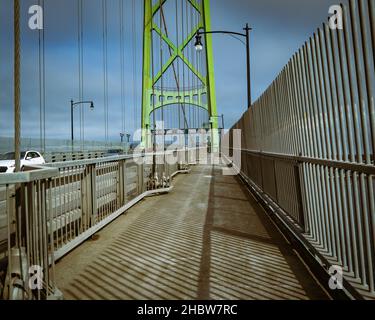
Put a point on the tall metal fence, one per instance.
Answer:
(45, 212)
(309, 141)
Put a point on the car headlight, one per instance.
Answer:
(12, 166)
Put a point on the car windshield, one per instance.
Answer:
(11, 156)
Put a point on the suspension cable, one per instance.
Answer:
(134, 43)
(122, 58)
(183, 65)
(162, 80)
(188, 57)
(80, 66)
(105, 67)
(153, 129)
(173, 66)
(178, 64)
(42, 83)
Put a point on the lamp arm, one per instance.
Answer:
(82, 102)
(222, 32)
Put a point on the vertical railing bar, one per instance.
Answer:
(356, 270)
(361, 81)
(40, 230)
(332, 92)
(317, 73)
(331, 100)
(323, 123)
(61, 194)
(52, 183)
(368, 56)
(348, 238)
(364, 103)
(45, 237)
(318, 153)
(28, 245)
(310, 65)
(293, 109)
(8, 201)
(300, 71)
(348, 124)
(304, 72)
(323, 94)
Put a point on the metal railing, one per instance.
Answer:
(72, 156)
(58, 145)
(309, 141)
(47, 212)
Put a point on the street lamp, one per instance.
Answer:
(199, 47)
(198, 42)
(74, 104)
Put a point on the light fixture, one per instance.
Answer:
(92, 105)
(198, 42)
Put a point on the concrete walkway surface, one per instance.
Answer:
(207, 239)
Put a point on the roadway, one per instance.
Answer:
(207, 239)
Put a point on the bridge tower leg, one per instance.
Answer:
(152, 96)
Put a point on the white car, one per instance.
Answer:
(28, 158)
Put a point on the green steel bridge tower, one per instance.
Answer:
(157, 96)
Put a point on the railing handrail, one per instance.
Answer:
(114, 158)
(38, 173)
(338, 164)
(50, 170)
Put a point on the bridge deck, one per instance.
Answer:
(208, 239)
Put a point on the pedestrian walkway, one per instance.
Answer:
(207, 239)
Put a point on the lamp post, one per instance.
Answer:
(72, 106)
(247, 29)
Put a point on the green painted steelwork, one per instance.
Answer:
(154, 98)
(194, 97)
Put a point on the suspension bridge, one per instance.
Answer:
(280, 206)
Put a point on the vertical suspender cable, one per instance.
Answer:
(80, 67)
(135, 87)
(153, 128)
(162, 75)
(170, 51)
(188, 57)
(122, 58)
(183, 64)
(44, 80)
(105, 67)
(192, 62)
(42, 83)
(79, 64)
(17, 87)
(186, 125)
(178, 64)
(196, 21)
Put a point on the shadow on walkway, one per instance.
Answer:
(208, 239)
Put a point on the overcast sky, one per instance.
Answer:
(280, 28)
